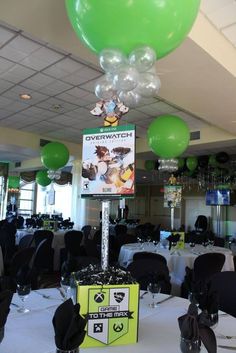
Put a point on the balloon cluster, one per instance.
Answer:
(54, 174)
(168, 165)
(130, 79)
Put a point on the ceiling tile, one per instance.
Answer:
(15, 106)
(63, 120)
(5, 35)
(55, 88)
(17, 73)
(224, 16)
(57, 105)
(4, 85)
(81, 114)
(5, 65)
(63, 68)
(38, 81)
(90, 85)
(209, 6)
(4, 113)
(77, 92)
(89, 73)
(4, 101)
(230, 33)
(15, 92)
(75, 79)
(24, 45)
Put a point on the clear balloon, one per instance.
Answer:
(111, 59)
(131, 98)
(104, 89)
(142, 58)
(126, 79)
(148, 85)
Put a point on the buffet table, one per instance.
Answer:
(176, 260)
(158, 327)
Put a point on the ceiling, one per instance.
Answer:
(195, 86)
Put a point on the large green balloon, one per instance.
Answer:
(168, 136)
(42, 178)
(125, 24)
(54, 155)
(13, 182)
(212, 161)
(192, 163)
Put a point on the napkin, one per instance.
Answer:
(68, 326)
(188, 324)
(5, 301)
(191, 329)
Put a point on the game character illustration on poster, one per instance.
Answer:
(108, 162)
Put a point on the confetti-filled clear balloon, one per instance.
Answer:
(111, 59)
(104, 89)
(142, 58)
(131, 98)
(126, 79)
(149, 84)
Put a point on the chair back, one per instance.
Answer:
(43, 257)
(206, 265)
(73, 240)
(225, 284)
(201, 223)
(26, 241)
(42, 234)
(86, 231)
(145, 270)
(21, 258)
(149, 255)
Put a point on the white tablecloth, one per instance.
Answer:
(158, 328)
(176, 261)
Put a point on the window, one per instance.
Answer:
(61, 198)
(26, 199)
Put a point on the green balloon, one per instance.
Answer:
(125, 25)
(192, 163)
(181, 163)
(212, 161)
(13, 182)
(168, 136)
(54, 155)
(42, 178)
(149, 165)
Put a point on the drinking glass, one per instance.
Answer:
(192, 246)
(190, 346)
(154, 289)
(65, 284)
(23, 291)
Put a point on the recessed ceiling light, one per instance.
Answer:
(25, 96)
(144, 177)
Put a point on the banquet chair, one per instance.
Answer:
(201, 224)
(224, 283)
(204, 267)
(21, 258)
(42, 234)
(26, 241)
(86, 231)
(149, 255)
(73, 239)
(219, 242)
(145, 271)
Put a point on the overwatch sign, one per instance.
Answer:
(108, 162)
(111, 316)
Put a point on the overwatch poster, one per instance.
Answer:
(172, 195)
(108, 162)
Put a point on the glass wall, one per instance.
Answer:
(54, 199)
(26, 199)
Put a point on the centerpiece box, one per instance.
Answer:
(111, 310)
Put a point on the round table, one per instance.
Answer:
(158, 328)
(176, 260)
